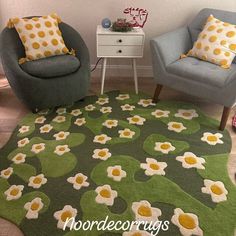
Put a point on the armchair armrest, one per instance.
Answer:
(168, 47)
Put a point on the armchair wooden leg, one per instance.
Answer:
(157, 93)
(224, 118)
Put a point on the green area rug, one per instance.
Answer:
(119, 156)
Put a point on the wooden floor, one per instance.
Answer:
(12, 110)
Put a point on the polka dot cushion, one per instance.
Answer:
(216, 43)
(40, 36)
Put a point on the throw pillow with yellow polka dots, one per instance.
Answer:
(40, 36)
(216, 43)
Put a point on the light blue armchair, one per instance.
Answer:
(191, 75)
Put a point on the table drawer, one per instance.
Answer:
(120, 51)
(119, 40)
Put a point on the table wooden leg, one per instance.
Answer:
(104, 64)
(135, 75)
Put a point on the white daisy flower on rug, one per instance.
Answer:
(80, 121)
(190, 160)
(38, 147)
(164, 147)
(126, 133)
(19, 158)
(160, 113)
(216, 189)
(102, 101)
(61, 110)
(59, 119)
(137, 120)
(44, 112)
(76, 112)
(153, 167)
(145, 212)
(66, 213)
(186, 114)
(40, 120)
(110, 123)
(127, 107)
(6, 173)
(186, 222)
(212, 139)
(123, 97)
(116, 173)
(135, 232)
(105, 195)
(24, 129)
(101, 138)
(46, 129)
(61, 135)
(176, 126)
(23, 142)
(33, 208)
(61, 149)
(102, 154)
(146, 102)
(106, 110)
(78, 181)
(14, 192)
(90, 107)
(37, 181)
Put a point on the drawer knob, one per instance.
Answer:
(120, 40)
(119, 51)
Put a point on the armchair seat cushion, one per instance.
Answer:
(202, 72)
(52, 66)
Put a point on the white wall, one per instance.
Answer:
(84, 15)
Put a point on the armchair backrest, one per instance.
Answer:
(196, 26)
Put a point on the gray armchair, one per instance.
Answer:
(48, 82)
(191, 75)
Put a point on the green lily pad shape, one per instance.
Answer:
(158, 145)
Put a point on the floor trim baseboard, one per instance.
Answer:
(123, 71)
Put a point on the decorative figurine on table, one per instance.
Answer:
(121, 25)
(106, 23)
(137, 17)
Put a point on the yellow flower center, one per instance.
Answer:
(61, 135)
(37, 180)
(146, 102)
(126, 133)
(102, 153)
(216, 189)
(187, 221)
(176, 126)
(60, 118)
(186, 114)
(39, 119)
(101, 138)
(22, 141)
(190, 160)
(145, 211)
(6, 172)
(159, 113)
(212, 138)
(14, 192)
(18, 158)
(79, 180)
(65, 215)
(38, 147)
(165, 146)
(116, 172)
(62, 149)
(137, 234)
(45, 129)
(110, 123)
(135, 119)
(34, 206)
(105, 193)
(154, 166)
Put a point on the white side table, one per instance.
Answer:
(112, 44)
